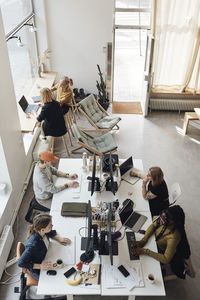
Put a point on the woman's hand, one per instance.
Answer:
(138, 244)
(73, 184)
(46, 265)
(72, 176)
(64, 241)
(133, 173)
(138, 251)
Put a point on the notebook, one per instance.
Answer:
(125, 169)
(26, 107)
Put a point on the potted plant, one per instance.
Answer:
(102, 93)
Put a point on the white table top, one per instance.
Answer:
(148, 265)
(126, 190)
(69, 227)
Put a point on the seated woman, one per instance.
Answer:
(37, 245)
(156, 191)
(64, 93)
(51, 114)
(169, 232)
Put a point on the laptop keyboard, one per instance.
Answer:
(31, 107)
(130, 237)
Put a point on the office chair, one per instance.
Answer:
(26, 278)
(174, 193)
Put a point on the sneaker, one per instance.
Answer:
(43, 138)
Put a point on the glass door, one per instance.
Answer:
(131, 23)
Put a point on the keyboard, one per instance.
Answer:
(130, 237)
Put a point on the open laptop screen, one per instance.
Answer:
(23, 103)
(126, 166)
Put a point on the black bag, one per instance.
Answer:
(106, 162)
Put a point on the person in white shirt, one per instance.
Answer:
(43, 184)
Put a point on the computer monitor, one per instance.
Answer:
(110, 248)
(94, 184)
(87, 243)
(107, 246)
(111, 185)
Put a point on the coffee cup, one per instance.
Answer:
(151, 278)
(59, 263)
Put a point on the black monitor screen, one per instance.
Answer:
(93, 174)
(88, 244)
(126, 166)
(125, 212)
(111, 176)
(23, 103)
(110, 233)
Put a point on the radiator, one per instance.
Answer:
(6, 241)
(173, 104)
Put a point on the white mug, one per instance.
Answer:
(151, 278)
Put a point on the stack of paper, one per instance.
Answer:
(115, 279)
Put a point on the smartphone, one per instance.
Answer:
(69, 272)
(123, 271)
(51, 272)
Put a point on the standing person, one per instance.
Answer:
(154, 189)
(64, 93)
(37, 245)
(43, 184)
(53, 121)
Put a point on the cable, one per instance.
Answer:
(5, 282)
(12, 275)
(123, 235)
(84, 227)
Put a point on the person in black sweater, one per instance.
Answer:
(154, 189)
(53, 121)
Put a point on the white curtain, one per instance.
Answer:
(176, 61)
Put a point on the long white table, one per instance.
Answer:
(69, 227)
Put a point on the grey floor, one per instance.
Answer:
(157, 140)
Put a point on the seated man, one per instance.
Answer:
(43, 184)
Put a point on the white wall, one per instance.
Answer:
(77, 32)
(17, 162)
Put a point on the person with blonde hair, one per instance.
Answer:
(53, 123)
(64, 93)
(37, 244)
(154, 189)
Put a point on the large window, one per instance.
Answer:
(14, 11)
(21, 42)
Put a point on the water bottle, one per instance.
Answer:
(117, 174)
(84, 166)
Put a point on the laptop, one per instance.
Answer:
(125, 169)
(26, 107)
(131, 219)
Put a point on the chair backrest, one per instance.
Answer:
(20, 249)
(174, 192)
(90, 107)
(81, 136)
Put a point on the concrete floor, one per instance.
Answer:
(157, 140)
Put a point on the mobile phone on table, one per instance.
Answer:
(123, 270)
(69, 272)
